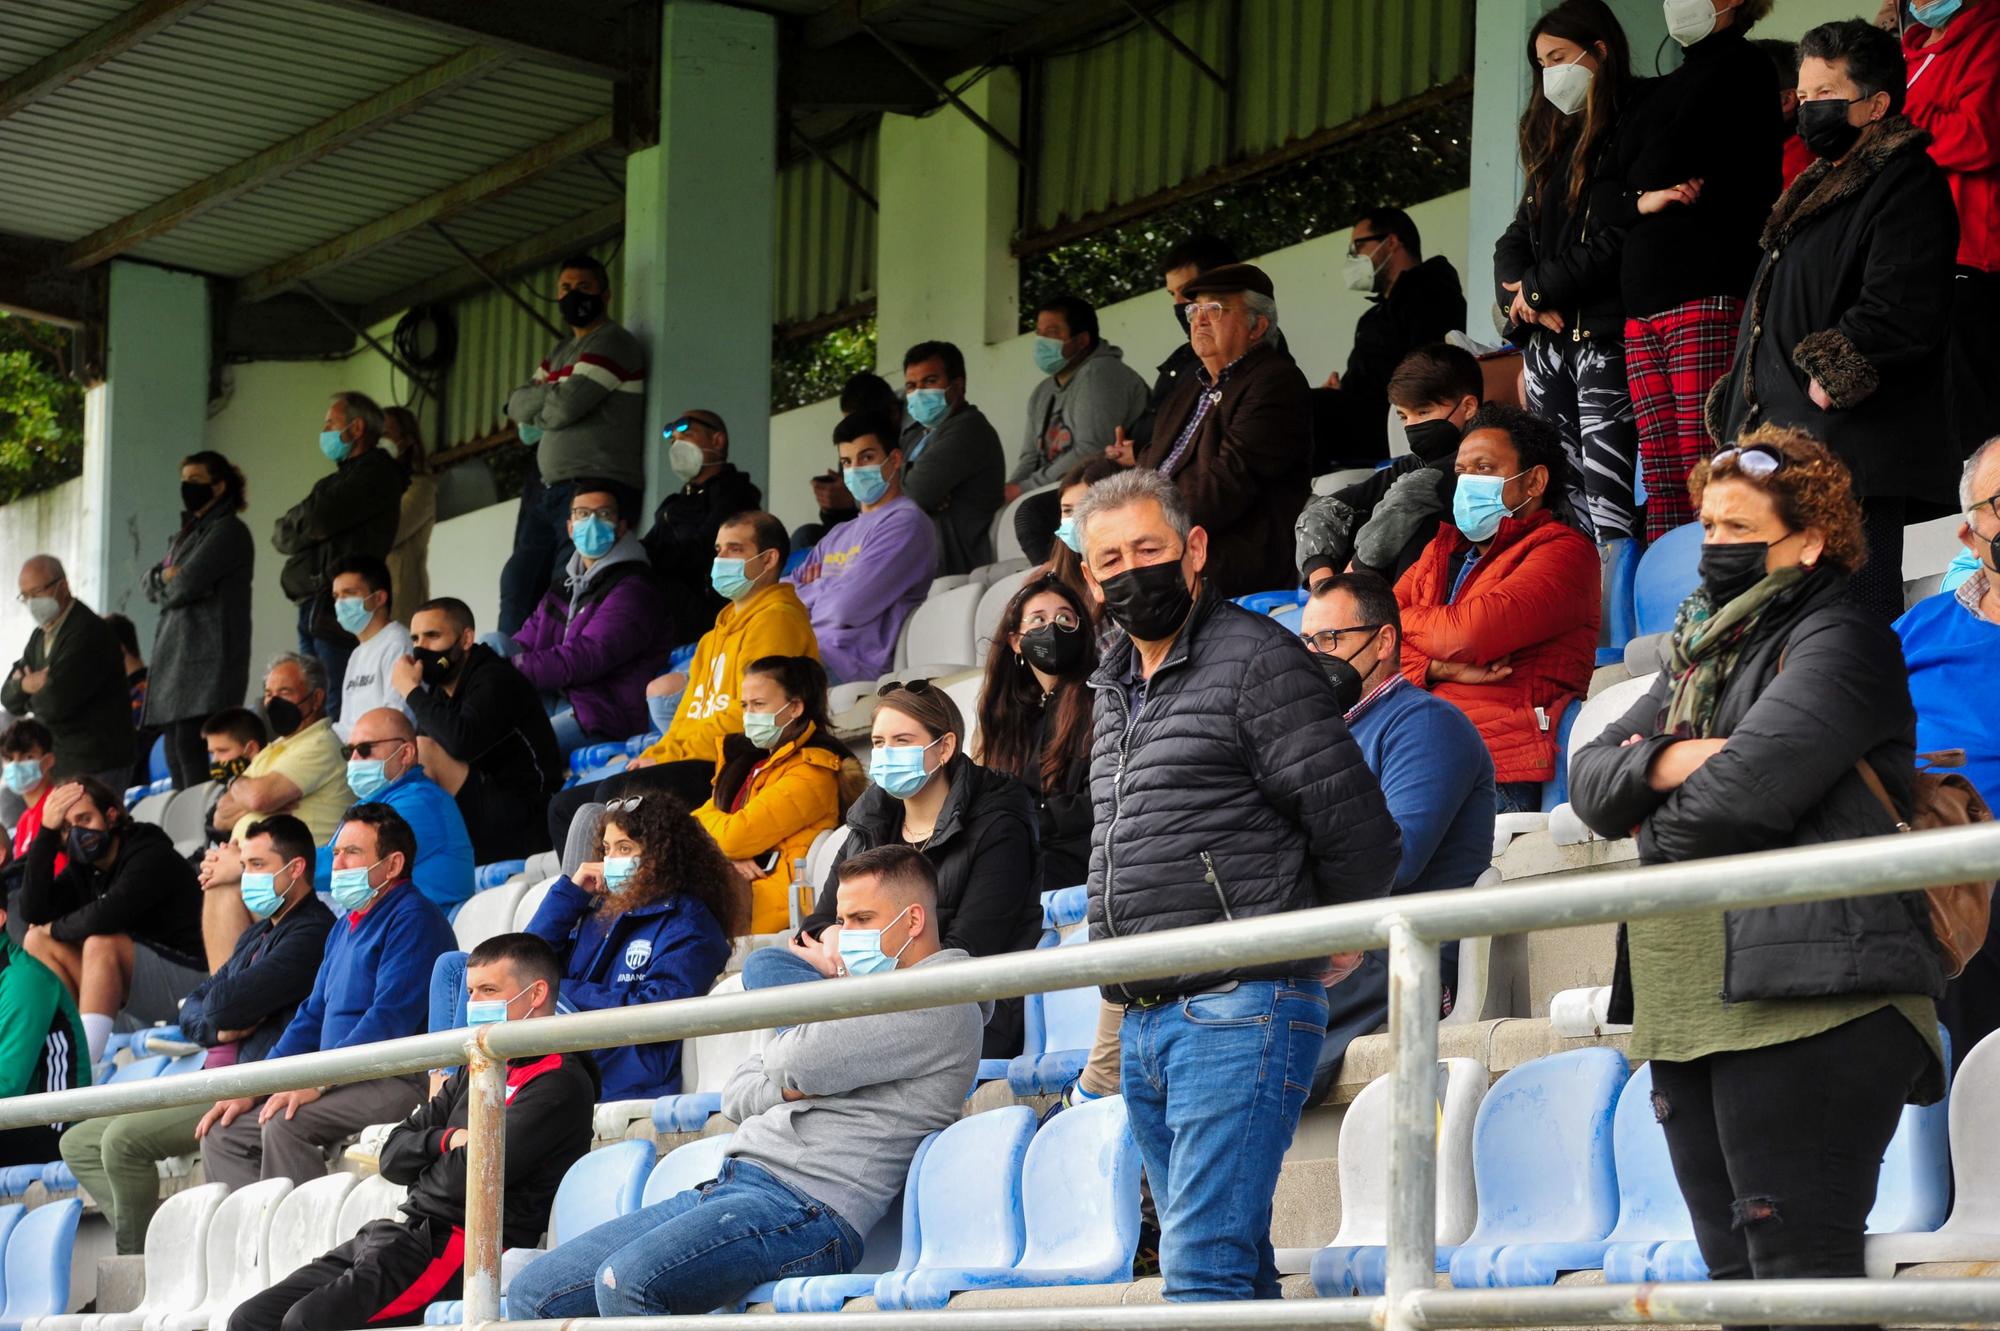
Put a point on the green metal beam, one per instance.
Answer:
(104, 43)
(581, 35)
(576, 234)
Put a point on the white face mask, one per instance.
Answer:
(1688, 21)
(686, 459)
(42, 609)
(1567, 86)
(1359, 272)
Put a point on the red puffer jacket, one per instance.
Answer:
(1952, 96)
(1533, 598)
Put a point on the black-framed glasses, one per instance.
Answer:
(609, 514)
(347, 751)
(1326, 640)
(1354, 246)
(627, 805)
(1758, 460)
(43, 590)
(1991, 504)
(911, 686)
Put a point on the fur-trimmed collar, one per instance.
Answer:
(1823, 185)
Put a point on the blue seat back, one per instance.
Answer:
(1289, 617)
(1913, 1193)
(1263, 603)
(186, 1063)
(10, 1216)
(140, 1069)
(1650, 1206)
(1542, 1151)
(1555, 790)
(1080, 1192)
(1064, 906)
(1069, 1016)
(496, 873)
(1667, 572)
(969, 1190)
(602, 1186)
(38, 1257)
(1621, 574)
(156, 762)
(685, 1167)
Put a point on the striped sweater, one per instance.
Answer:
(589, 396)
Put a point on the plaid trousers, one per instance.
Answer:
(1672, 359)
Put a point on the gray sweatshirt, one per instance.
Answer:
(590, 397)
(878, 1086)
(1069, 424)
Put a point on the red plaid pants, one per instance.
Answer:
(1671, 361)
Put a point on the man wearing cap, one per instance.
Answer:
(1236, 437)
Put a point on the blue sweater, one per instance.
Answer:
(1437, 777)
(1950, 657)
(444, 869)
(374, 982)
(666, 949)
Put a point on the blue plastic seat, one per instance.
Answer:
(687, 1112)
(140, 1069)
(1064, 906)
(156, 761)
(15, 1180)
(496, 873)
(186, 1063)
(1621, 571)
(1543, 1163)
(38, 1257)
(56, 1177)
(1667, 572)
(638, 744)
(1263, 603)
(891, 1246)
(969, 1196)
(602, 1186)
(1555, 790)
(1651, 1211)
(1289, 618)
(792, 562)
(1061, 1027)
(1913, 1193)
(685, 1167)
(594, 755)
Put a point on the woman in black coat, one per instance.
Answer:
(1844, 334)
(1785, 1040)
(976, 826)
(1556, 266)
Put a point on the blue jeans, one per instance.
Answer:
(1213, 1085)
(695, 1252)
(769, 967)
(1517, 797)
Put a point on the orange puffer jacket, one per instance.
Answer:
(801, 790)
(1532, 598)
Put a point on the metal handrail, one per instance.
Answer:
(1410, 926)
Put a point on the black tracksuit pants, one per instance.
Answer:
(383, 1276)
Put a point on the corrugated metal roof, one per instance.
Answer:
(33, 30)
(825, 234)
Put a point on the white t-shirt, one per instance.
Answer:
(366, 684)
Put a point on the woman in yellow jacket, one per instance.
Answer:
(779, 784)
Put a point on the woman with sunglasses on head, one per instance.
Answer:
(648, 920)
(1785, 1040)
(1035, 716)
(778, 784)
(976, 826)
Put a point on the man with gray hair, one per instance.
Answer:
(1236, 437)
(1226, 787)
(354, 511)
(71, 678)
(1949, 641)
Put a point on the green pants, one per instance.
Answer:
(113, 1159)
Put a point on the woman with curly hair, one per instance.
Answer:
(778, 784)
(650, 919)
(1785, 1040)
(1035, 716)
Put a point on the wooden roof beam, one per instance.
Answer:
(579, 233)
(100, 45)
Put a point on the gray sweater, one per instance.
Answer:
(877, 1086)
(1069, 424)
(957, 473)
(590, 397)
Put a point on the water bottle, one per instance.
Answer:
(801, 895)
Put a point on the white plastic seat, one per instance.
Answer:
(151, 809)
(825, 853)
(486, 914)
(531, 901)
(992, 605)
(1333, 482)
(373, 1198)
(1971, 1233)
(1594, 716)
(941, 632)
(305, 1222)
(182, 819)
(239, 1256)
(943, 583)
(1475, 958)
(965, 692)
(176, 1274)
(1006, 543)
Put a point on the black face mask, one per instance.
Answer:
(1151, 602)
(1728, 571)
(1346, 680)
(194, 494)
(88, 844)
(1823, 125)
(580, 309)
(284, 716)
(441, 668)
(1181, 317)
(1053, 650)
(1431, 440)
(229, 771)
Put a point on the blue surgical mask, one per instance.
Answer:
(618, 871)
(861, 949)
(728, 578)
(1066, 533)
(763, 728)
(866, 484)
(899, 769)
(334, 445)
(352, 612)
(1477, 509)
(1930, 13)
(261, 896)
(486, 1011)
(660, 711)
(593, 537)
(530, 435)
(22, 775)
(927, 406)
(367, 777)
(351, 889)
(1049, 354)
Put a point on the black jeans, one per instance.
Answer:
(1778, 1150)
(187, 752)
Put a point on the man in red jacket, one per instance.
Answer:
(1501, 612)
(1953, 54)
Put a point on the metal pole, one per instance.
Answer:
(1187, 52)
(485, 1172)
(1724, 1302)
(1256, 1315)
(498, 285)
(341, 318)
(825, 159)
(1413, 1082)
(941, 89)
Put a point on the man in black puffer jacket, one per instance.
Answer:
(1226, 787)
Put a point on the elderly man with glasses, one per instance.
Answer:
(1236, 437)
(71, 678)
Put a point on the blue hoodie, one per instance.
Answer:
(665, 949)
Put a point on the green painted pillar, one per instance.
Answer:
(150, 412)
(700, 235)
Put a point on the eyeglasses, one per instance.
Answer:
(1062, 619)
(1354, 246)
(27, 596)
(627, 805)
(1758, 460)
(348, 751)
(585, 514)
(917, 686)
(1991, 504)
(1326, 640)
(683, 425)
(1206, 309)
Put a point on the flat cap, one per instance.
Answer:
(1231, 277)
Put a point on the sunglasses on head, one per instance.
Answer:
(627, 805)
(913, 686)
(1759, 460)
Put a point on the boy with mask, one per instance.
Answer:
(362, 592)
(953, 467)
(237, 1014)
(1383, 523)
(233, 737)
(27, 769)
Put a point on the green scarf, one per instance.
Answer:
(1705, 644)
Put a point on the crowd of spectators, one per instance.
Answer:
(1751, 293)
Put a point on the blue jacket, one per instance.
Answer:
(374, 982)
(1950, 656)
(444, 869)
(667, 949)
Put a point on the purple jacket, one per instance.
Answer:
(599, 637)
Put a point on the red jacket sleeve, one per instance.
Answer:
(1553, 589)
